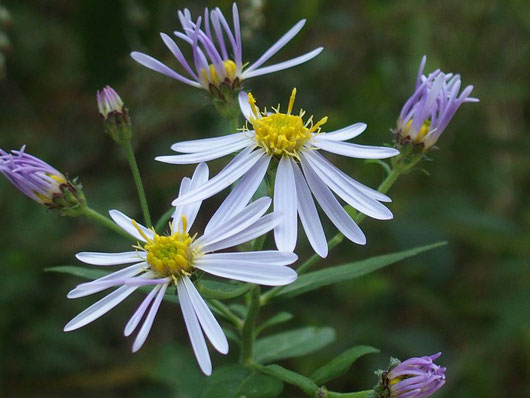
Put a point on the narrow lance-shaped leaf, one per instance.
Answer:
(316, 279)
(340, 365)
(288, 376)
(293, 343)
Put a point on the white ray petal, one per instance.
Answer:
(243, 162)
(190, 210)
(309, 215)
(346, 179)
(285, 202)
(176, 224)
(96, 258)
(260, 227)
(209, 324)
(263, 274)
(354, 150)
(271, 257)
(282, 65)
(197, 157)
(206, 144)
(332, 207)
(157, 66)
(244, 106)
(127, 225)
(243, 191)
(148, 323)
(278, 45)
(100, 308)
(350, 194)
(198, 343)
(237, 223)
(344, 134)
(86, 289)
(140, 311)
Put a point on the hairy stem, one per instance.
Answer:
(138, 181)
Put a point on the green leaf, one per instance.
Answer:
(82, 272)
(340, 365)
(235, 381)
(293, 343)
(280, 317)
(316, 279)
(288, 376)
(221, 290)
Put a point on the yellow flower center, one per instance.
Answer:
(424, 129)
(213, 77)
(282, 133)
(169, 255)
(47, 198)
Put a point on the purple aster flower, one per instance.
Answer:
(217, 52)
(32, 176)
(109, 101)
(415, 378)
(116, 118)
(429, 110)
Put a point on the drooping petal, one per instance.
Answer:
(332, 207)
(309, 215)
(86, 289)
(140, 311)
(240, 195)
(127, 225)
(209, 324)
(286, 38)
(282, 65)
(260, 227)
(198, 343)
(197, 157)
(263, 274)
(206, 144)
(344, 134)
(100, 308)
(285, 202)
(354, 150)
(243, 162)
(96, 258)
(351, 195)
(148, 323)
(271, 257)
(237, 223)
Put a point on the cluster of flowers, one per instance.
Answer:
(283, 140)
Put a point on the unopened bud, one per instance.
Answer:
(115, 116)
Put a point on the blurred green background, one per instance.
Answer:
(469, 300)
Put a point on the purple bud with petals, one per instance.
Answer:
(429, 110)
(40, 181)
(413, 378)
(116, 118)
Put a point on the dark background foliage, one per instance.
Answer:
(469, 299)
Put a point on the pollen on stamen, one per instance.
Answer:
(282, 133)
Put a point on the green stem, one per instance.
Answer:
(358, 394)
(107, 222)
(223, 309)
(247, 332)
(138, 181)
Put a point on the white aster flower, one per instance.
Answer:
(218, 52)
(294, 143)
(163, 261)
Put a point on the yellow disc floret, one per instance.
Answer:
(424, 129)
(282, 133)
(169, 255)
(211, 76)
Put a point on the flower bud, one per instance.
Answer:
(413, 378)
(115, 115)
(40, 181)
(429, 110)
